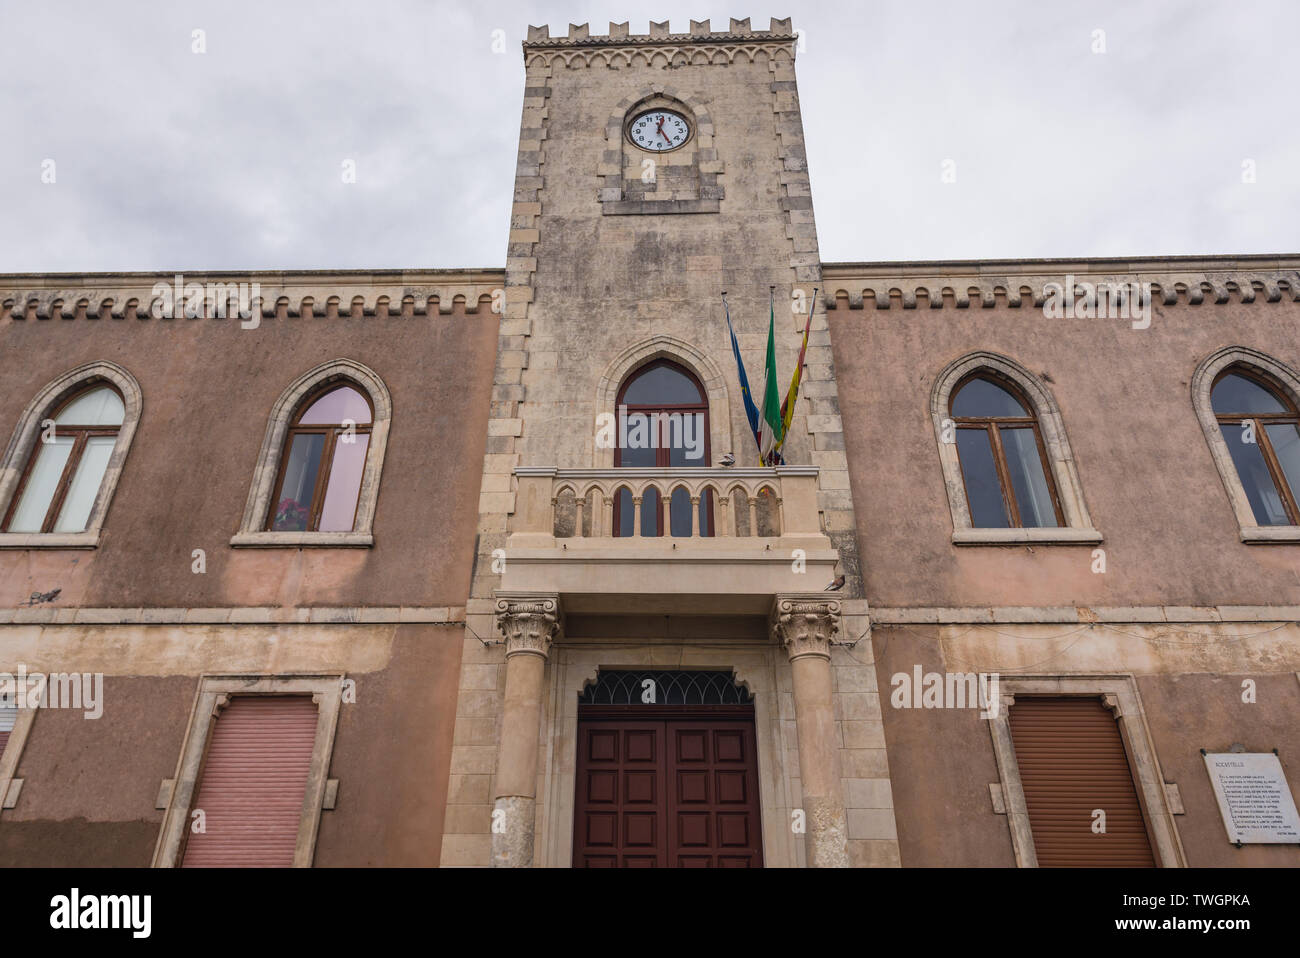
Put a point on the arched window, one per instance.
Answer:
(663, 423)
(1007, 466)
(323, 461)
(316, 482)
(66, 469)
(1003, 464)
(1261, 429)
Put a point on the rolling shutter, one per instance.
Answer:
(253, 782)
(8, 716)
(1072, 761)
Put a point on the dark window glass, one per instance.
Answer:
(983, 399)
(1235, 395)
(983, 489)
(661, 384)
(1025, 467)
(1259, 428)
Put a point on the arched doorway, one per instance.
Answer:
(663, 420)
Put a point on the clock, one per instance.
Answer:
(659, 130)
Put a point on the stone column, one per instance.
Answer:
(530, 624)
(805, 626)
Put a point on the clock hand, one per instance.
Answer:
(661, 130)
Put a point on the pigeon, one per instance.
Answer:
(836, 585)
(728, 459)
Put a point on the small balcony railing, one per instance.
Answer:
(677, 503)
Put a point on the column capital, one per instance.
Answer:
(530, 622)
(806, 624)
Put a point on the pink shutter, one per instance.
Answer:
(253, 782)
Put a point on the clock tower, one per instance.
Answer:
(654, 173)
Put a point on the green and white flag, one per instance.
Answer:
(771, 426)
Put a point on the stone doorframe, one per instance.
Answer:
(762, 669)
(1120, 694)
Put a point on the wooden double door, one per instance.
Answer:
(667, 789)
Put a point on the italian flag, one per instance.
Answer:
(772, 429)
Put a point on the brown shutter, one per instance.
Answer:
(253, 782)
(1072, 760)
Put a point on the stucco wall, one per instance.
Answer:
(1148, 478)
(208, 387)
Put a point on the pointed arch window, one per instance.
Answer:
(1003, 463)
(1007, 466)
(62, 466)
(663, 424)
(317, 476)
(324, 459)
(67, 467)
(1261, 429)
(1246, 402)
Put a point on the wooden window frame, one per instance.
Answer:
(268, 471)
(1076, 526)
(1283, 381)
(20, 455)
(331, 433)
(993, 426)
(663, 457)
(1271, 462)
(80, 434)
(214, 691)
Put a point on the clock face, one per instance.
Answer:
(659, 130)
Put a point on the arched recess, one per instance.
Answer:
(1280, 377)
(678, 351)
(1077, 527)
(252, 527)
(27, 434)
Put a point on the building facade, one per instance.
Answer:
(479, 567)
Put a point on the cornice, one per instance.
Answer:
(313, 293)
(1189, 280)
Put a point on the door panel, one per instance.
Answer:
(663, 793)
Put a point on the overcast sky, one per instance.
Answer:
(166, 159)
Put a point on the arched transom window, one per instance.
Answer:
(1261, 428)
(1003, 463)
(663, 423)
(67, 466)
(323, 463)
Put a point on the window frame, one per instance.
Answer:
(214, 691)
(993, 427)
(80, 435)
(331, 433)
(1282, 381)
(296, 399)
(1060, 469)
(1119, 692)
(663, 455)
(20, 454)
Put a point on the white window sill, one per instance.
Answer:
(302, 540)
(49, 540)
(1004, 537)
(1265, 534)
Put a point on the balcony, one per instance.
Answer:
(686, 540)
